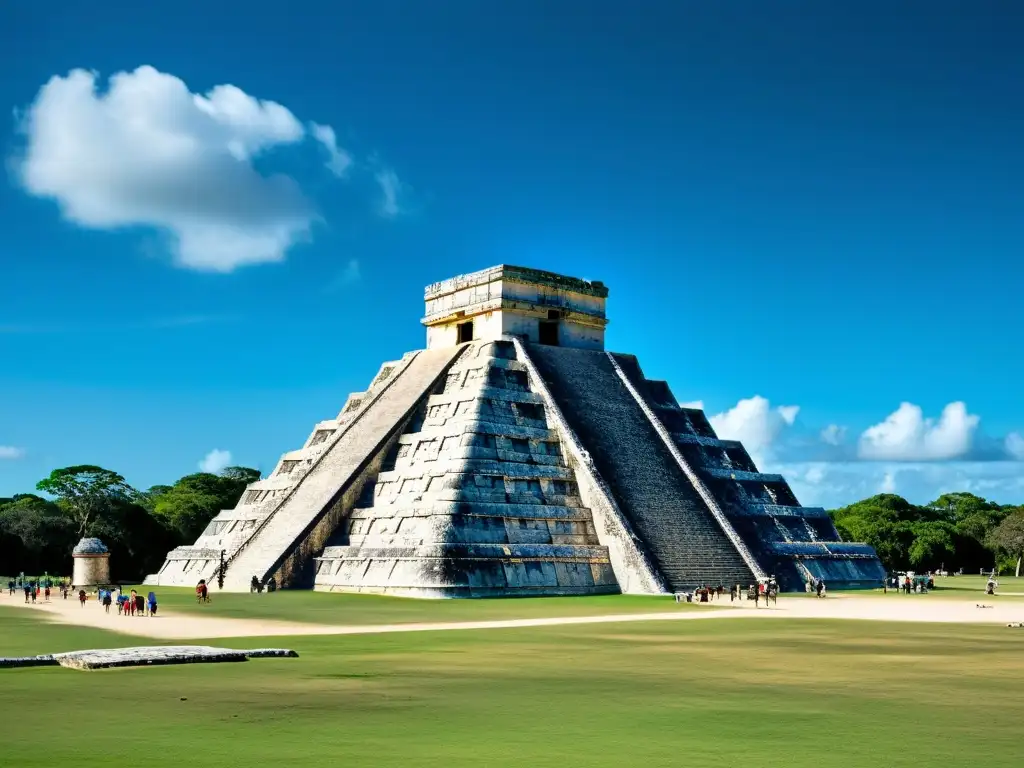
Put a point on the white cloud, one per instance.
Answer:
(754, 423)
(215, 461)
(906, 435)
(1015, 445)
(339, 160)
(11, 452)
(149, 152)
(698, 404)
(833, 434)
(391, 188)
(788, 413)
(836, 484)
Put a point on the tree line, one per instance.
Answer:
(38, 532)
(957, 530)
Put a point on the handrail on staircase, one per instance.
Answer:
(364, 407)
(692, 476)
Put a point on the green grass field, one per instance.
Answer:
(762, 693)
(338, 608)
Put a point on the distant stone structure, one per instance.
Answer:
(91, 564)
(514, 456)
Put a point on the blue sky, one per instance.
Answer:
(796, 204)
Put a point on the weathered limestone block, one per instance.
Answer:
(476, 500)
(146, 656)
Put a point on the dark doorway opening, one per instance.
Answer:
(549, 333)
(465, 332)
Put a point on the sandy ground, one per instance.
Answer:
(190, 626)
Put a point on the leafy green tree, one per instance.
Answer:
(933, 545)
(35, 535)
(1008, 536)
(88, 494)
(190, 504)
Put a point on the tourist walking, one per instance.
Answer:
(46, 593)
(81, 597)
(28, 591)
(107, 600)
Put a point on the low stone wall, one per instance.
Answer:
(145, 656)
(28, 661)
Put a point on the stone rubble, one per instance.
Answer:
(142, 656)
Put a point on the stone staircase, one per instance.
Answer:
(787, 540)
(679, 532)
(475, 499)
(296, 531)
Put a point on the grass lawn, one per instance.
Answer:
(791, 694)
(341, 608)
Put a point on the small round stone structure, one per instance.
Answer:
(92, 563)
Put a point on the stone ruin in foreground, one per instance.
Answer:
(514, 456)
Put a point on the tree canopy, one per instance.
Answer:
(1008, 536)
(189, 505)
(952, 532)
(37, 533)
(88, 494)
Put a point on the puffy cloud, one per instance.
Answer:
(11, 452)
(339, 160)
(906, 435)
(754, 423)
(215, 461)
(149, 152)
(1015, 445)
(391, 188)
(907, 454)
(833, 434)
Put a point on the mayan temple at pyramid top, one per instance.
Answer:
(515, 456)
(536, 306)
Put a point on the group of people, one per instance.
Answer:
(909, 583)
(762, 590)
(815, 586)
(255, 585)
(132, 604)
(765, 589)
(34, 590)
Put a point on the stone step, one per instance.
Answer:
(677, 529)
(284, 532)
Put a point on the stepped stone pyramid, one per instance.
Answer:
(514, 456)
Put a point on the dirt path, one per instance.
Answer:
(190, 626)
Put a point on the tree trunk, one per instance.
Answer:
(1019, 558)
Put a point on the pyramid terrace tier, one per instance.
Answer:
(467, 570)
(477, 478)
(467, 522)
